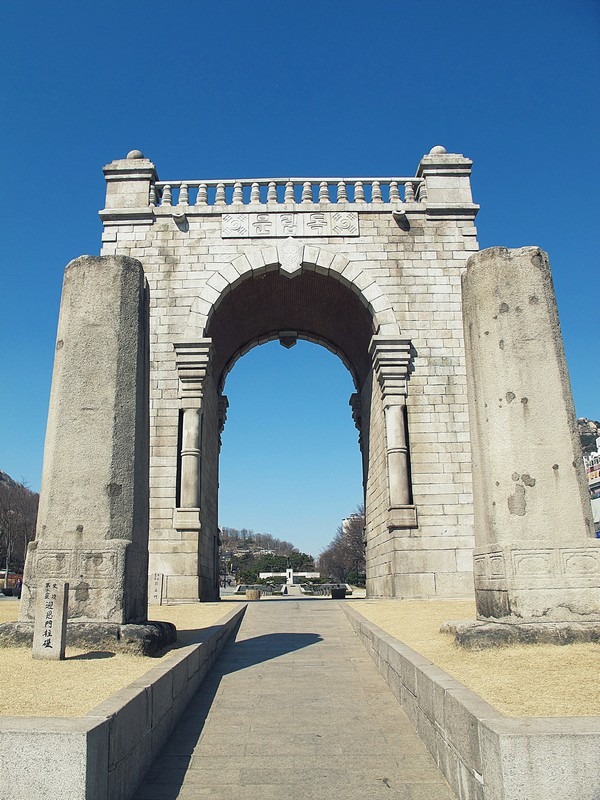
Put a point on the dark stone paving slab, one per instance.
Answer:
(294, 708)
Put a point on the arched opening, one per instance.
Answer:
(321, 308)
(290, 463)
(310, 305)
(308, 308)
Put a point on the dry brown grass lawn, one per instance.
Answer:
(72, 687)
(527, 680)
(535, 680)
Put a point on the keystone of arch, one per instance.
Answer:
(291, 258)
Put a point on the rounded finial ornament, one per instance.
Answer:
(438, 150)
(133, 154)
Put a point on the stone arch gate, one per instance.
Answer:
(370, 268)
(367, 267)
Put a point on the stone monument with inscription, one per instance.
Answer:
(50, 629)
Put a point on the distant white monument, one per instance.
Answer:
(289, 575)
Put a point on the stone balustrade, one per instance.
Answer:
(287, 191)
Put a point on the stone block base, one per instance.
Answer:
(479, 635)
(146, 639)
(536, 580)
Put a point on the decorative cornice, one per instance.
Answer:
(392, 359)
(192, 361)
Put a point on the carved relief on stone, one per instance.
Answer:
(235, 225)
(580, 562)
(290, 254)
(98, 564)
(533, 563)
(56, 564)
(480, 565)
(496, 566)
(309, 223)
(345, 223)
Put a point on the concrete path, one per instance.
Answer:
(294, 708)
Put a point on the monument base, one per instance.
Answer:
(146, 639)
(481, 634)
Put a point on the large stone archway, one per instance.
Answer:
(201, 271)
(370, 268)
(367, 267)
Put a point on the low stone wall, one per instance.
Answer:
(483, 754)
(105, 754)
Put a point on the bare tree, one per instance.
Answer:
(18, 515)
(344, 558)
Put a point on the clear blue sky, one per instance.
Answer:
(264, 88)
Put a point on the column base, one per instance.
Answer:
(479, 635)
(534, 581)
(146, 639)
(187, 519)
(402, 517)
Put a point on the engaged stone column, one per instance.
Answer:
(391, 361)
(535, 557)
(192, 362)
(92, 530)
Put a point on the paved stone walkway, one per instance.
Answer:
(294, 708)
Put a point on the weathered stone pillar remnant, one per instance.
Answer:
(93, 519)
(535, 557)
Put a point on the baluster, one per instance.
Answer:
(342, 197)
(183, 195)
(220, 198)
(359, 192)
(289, 193)
(152, 196)
(323, 192)
(238, 193)
(202, 198)
(409, 192)
(167, 199)
(376, 192)
(394, 193)
(272, 192)
(422, 192)
(307, 192)
(255, 193)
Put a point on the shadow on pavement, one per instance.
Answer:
(169, 769)
(248, 652)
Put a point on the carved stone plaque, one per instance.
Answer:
(282, 224)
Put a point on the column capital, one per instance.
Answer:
(192, 360)
(392, 360)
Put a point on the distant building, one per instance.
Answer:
(592, 469)
(347, 521)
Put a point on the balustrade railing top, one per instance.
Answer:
(287, 191)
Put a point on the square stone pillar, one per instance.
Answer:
(535, 555)
(92, 527)
(447, 182)
(128, 184)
